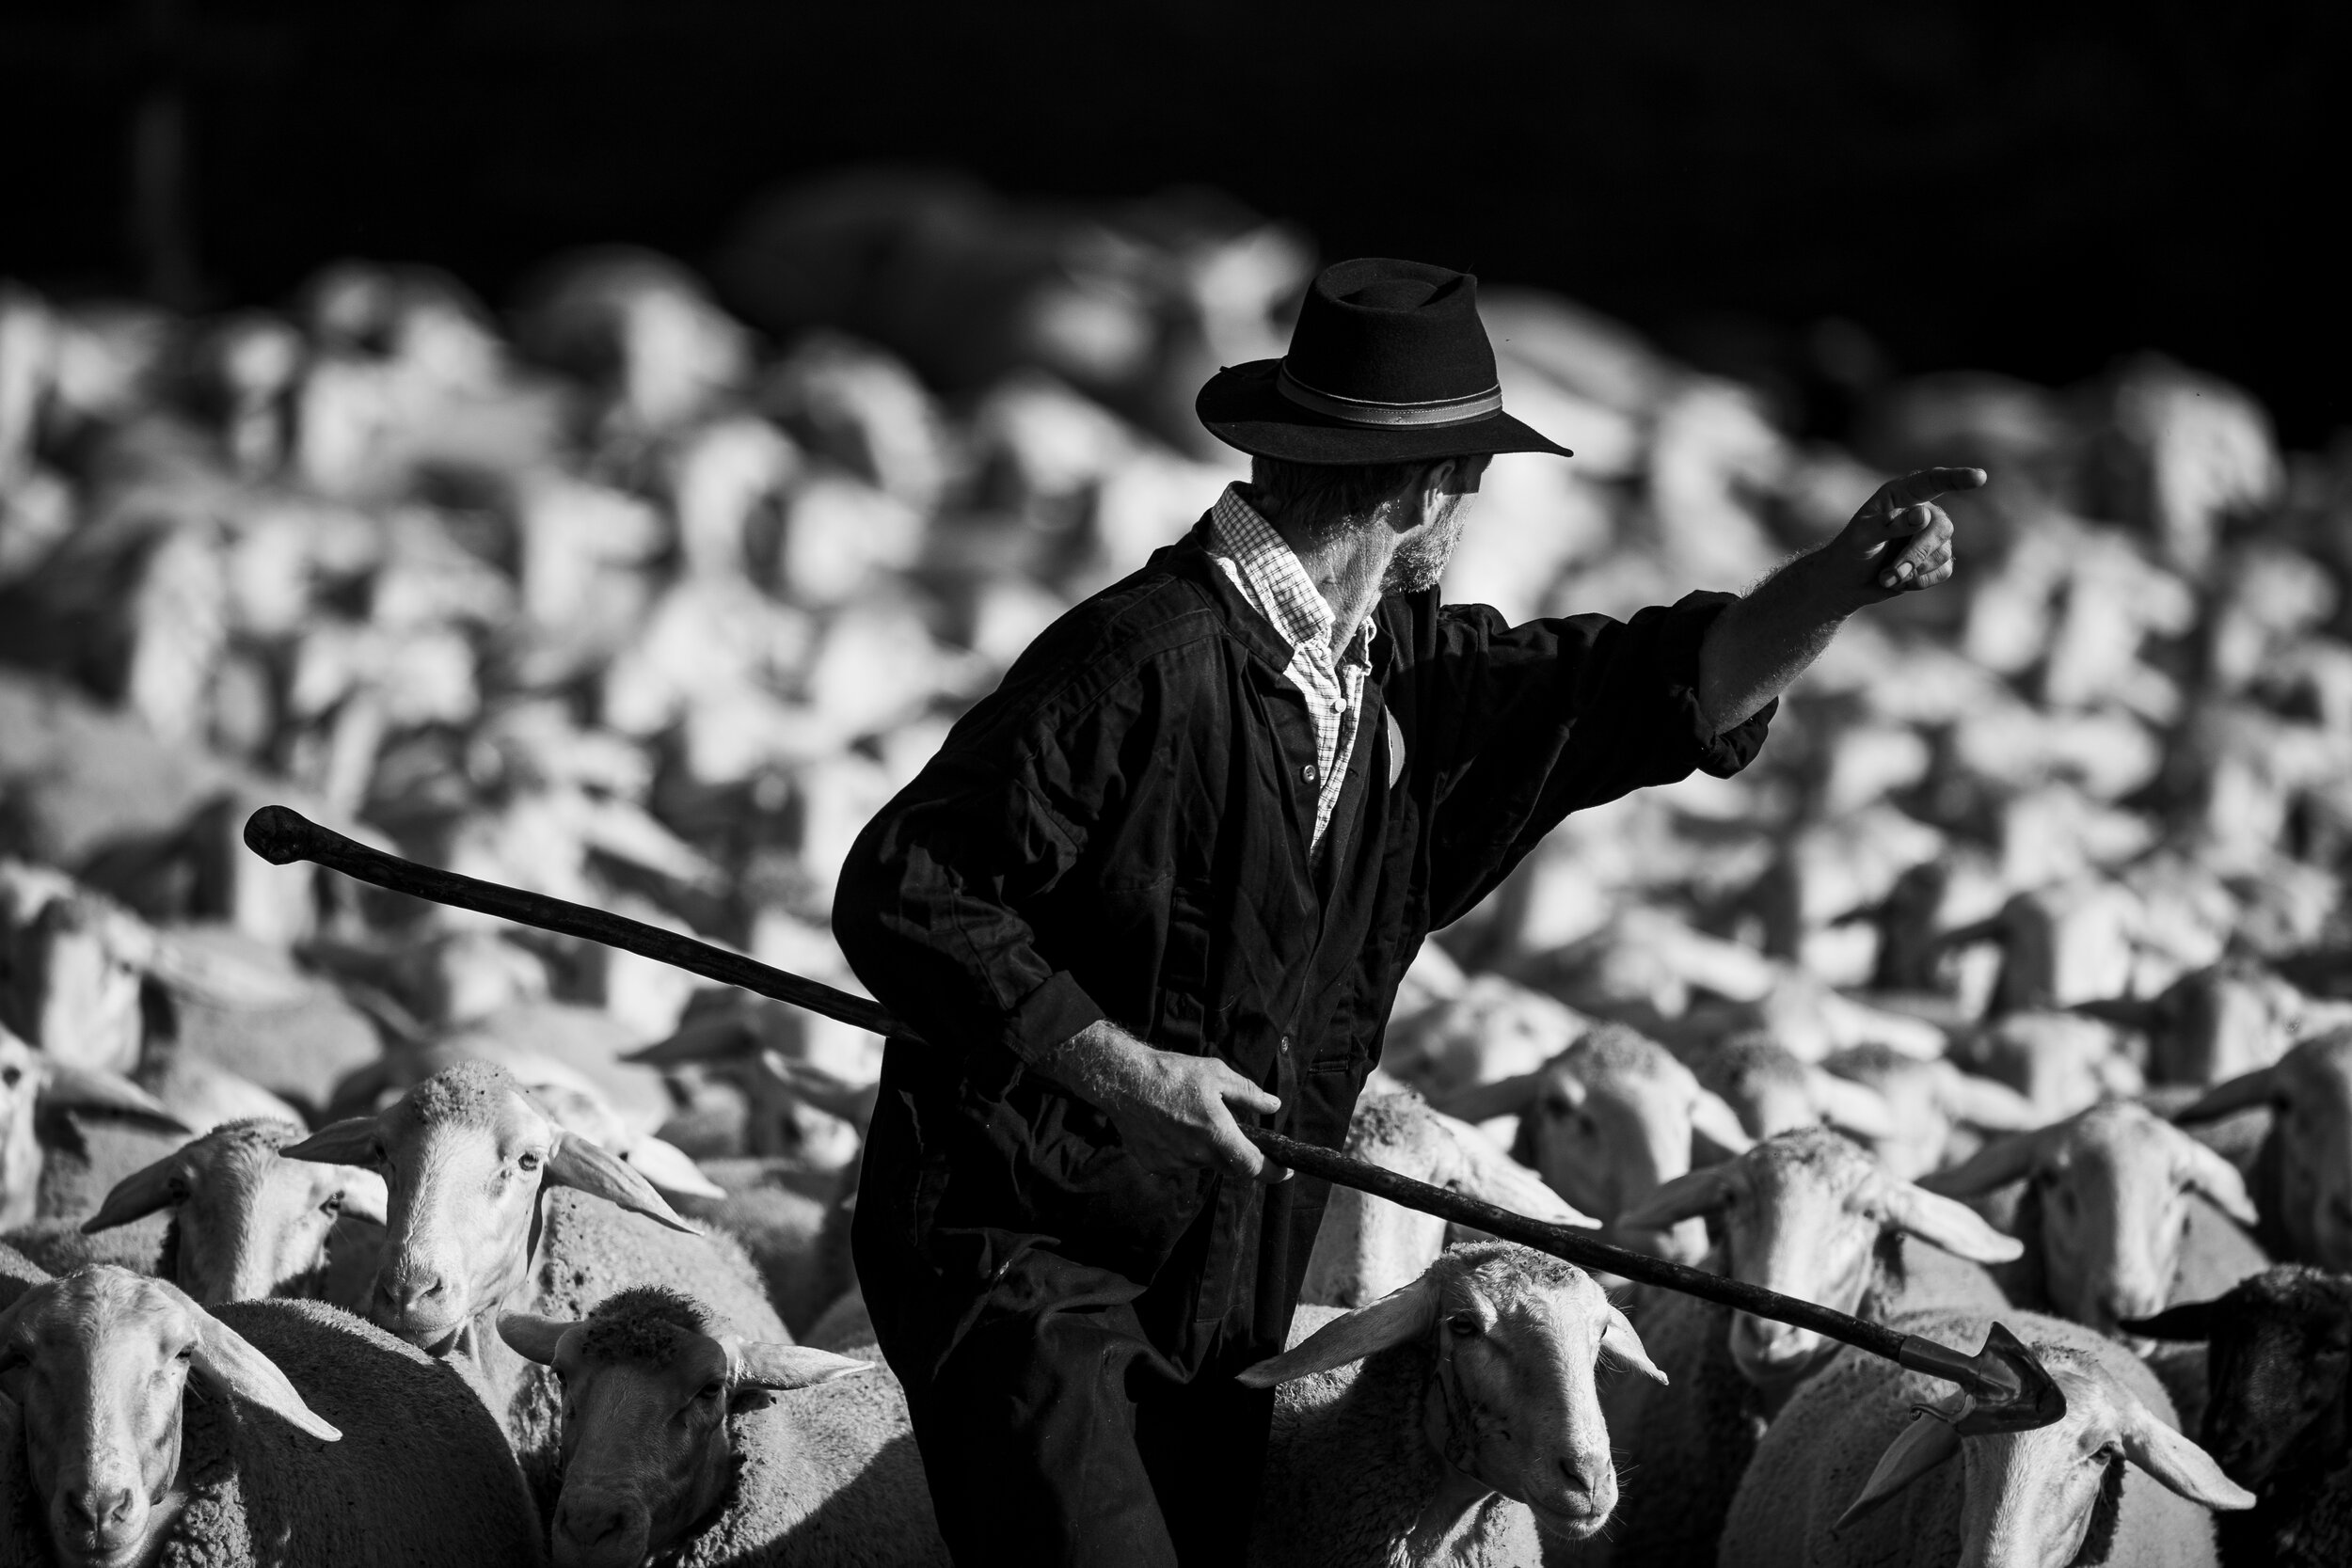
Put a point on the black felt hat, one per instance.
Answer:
(1389, 363)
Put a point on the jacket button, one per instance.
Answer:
(1307, 772)
(1285, 1046)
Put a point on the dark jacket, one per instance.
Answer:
(1119, 831)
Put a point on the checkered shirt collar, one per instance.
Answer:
(1285, 592)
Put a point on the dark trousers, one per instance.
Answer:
(1061, 1438)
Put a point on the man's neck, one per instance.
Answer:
(1346, 566)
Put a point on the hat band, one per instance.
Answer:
(1360, 411)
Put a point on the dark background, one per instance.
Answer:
(2012, 184)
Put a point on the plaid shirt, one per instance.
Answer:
(1268, 573)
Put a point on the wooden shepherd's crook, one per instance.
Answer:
(2010, 1389)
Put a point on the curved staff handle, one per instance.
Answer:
(2010, 1389)
(281, 835)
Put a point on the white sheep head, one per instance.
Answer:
(2112, 1185)
(2028, 1498)
(71, 965)
(95, 1365)
(30, 1079)
(2309, 1090)
(1515, 1337)
(465, 1157)
(1803, 1213)
(1771, 1089)
(1368, 1246)
(250, 1223)
(649, 1382)
(1608, 1120)
(1927, 1102)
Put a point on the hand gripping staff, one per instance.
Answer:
(2009, 1389)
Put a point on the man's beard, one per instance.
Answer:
(1418, 564)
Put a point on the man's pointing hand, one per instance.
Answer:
(1173, 1112)
(1900, 540)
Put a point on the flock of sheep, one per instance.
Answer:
(2006, 985)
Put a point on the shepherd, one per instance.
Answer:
(1170, 873)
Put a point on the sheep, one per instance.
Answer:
(1605, 1122)
(246, 1224)
(691, 1445)
(2226, 1019)
(478, 1221)
(2061, 1062)
(1769, 1090)
(324, 1442)
(1933, 1107)
(1810, 1215)
(1368, 1246)
(1454, 1421)
(2121, 1213)
(2302, 1175)
(796, 1111)
(1849, 1473)
(1488, 1029)
(2277, 1413)
(71, 962)
(31, 1081)
(92, 983)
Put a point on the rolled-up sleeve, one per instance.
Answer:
(927, 912)
(1524, 724)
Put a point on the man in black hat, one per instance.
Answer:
(1170, 873)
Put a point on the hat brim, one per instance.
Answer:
(1243, 407)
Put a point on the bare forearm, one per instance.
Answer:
(1899, 542)
(1759, 645)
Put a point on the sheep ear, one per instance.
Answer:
(582, 1165)
(2131, 1013)
(533, 1338)
(96, 1090)
(759, 1364)
(2205, 1172)
(1712, 1118)
(723, 1038)
(1504, 1097)
(1686, 1196)
(1399, 1316)
(1491, 1176)
(2191, 1320)
(234, 1368)
(1927, 1442)
(1941, 1222)
(1618, 1338)
(2242, 1093)
(1996, 1164)
(353, 1141)
(159, 1186)
(365, 1198)
(670, 1168)
(1981, 1103)
(2179, 1463)
(828, 1092)
(1855, 1107)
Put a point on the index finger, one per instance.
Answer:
(1922, 484)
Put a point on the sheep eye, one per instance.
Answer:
(712, 1390)
(1464, 1325)
(529, 1162)
(11, 1076)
